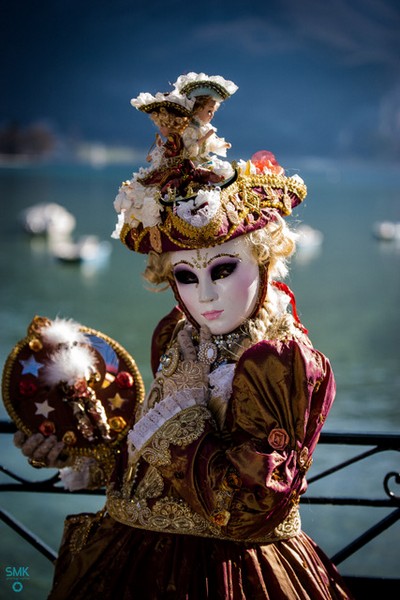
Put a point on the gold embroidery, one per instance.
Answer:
(188, 375)
(155, 239)
(169, 361)
(81, 526)
(167, 515)
(180, 431)
(224, 496)
(151, 486)
(172, 515)
(304, 459)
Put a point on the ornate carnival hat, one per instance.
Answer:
(179, 204)
(211, 216)
(173, 101)
(193, 85)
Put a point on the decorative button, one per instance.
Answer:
(278, 439)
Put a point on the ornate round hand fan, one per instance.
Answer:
(73, 382)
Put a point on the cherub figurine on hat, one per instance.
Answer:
(172, 174)
(171, 113)
(200, 137)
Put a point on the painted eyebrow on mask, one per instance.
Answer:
(204, 263)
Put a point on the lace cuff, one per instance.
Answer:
(84, 474)
(165, 410)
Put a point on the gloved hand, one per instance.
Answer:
(42, 451)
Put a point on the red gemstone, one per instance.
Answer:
(27, 387)
(124, 379)
(47, 428)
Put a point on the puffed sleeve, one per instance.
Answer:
(247, 479)
(190, 139)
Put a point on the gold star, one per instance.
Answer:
(116, 402)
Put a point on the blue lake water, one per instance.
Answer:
(348, 294)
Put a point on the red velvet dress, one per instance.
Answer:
(208, 511)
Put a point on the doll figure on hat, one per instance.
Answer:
(172, 172)
(200, 136)
(88, 411)
(170, 113)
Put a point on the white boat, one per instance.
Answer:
(387, 231)
(308, 237)
(47, 219)
(87, 249)
(309, 242)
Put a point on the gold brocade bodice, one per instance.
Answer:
(152, 505)
(185, 474)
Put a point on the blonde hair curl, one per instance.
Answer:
(169, 119)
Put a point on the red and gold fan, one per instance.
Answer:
(73, 382)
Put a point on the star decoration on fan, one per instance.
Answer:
(30, 366)
(43, 408)
(116, 402)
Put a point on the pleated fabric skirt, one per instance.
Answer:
(120, 562)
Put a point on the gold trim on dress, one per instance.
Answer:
(172, 515)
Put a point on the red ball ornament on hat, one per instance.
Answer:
(47, 428)
(265, 158)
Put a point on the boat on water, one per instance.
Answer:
(56, 223)
(47, 218)
(387, 231)
(308, 237)
(309, 243)
(87, 249)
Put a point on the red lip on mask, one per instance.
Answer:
(212, 314)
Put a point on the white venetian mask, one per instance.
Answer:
(218, 286)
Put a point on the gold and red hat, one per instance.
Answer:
(185, 202)
(212, 214)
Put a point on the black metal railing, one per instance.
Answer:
(377, 443)
(371, 443)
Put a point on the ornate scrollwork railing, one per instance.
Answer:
(376, 443)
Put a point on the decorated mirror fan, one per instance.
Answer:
(73, 382)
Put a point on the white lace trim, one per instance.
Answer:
(221, 380)
(76, 477)
(165, 410)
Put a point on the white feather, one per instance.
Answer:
(62, 331)
(68, 365)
